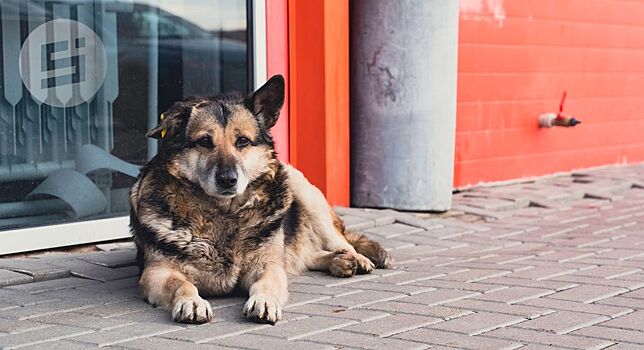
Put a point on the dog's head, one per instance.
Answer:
(223, 143)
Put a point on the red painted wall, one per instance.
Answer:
(515, 60)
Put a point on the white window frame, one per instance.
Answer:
(95, 231)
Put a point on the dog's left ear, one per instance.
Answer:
(172, 121)
(266, 102)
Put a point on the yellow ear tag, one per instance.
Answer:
(164, 130)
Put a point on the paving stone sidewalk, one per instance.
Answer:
(556, 262)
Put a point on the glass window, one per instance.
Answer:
(82, 81)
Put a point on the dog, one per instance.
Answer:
(215, 211)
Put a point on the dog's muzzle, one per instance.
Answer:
(226, 181)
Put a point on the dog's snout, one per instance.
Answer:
(226, 178)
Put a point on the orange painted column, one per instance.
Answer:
(319, 94)
(277, 63)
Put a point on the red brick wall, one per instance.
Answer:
(516, 57)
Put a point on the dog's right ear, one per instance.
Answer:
(266, 102)
(171, 121)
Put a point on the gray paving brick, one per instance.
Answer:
(364, 341)
(360, 314)
(475, 275)
(52, 285)
(215, 330)
(456, 340)
(563, 322)
(524, 311)
(357, 223)
(394, 324)
(12, 298)
(37, 310)
(355, 300)
(84, 269)
(548, 339)
(123, 334)
(477, 323)
(295, 298)
(393, 230)
(609, 272)
(38, 269)
(543, 273)
(598, 309)
(304, 327)
(589, 281)
(612, 334)
(261, 342)
(62, 345)
(470, 286)
(438, 297)
(513, 295)
(10, 278)
(588, 293)
(43, 335)
(114, 259)
(623, 302)
(634, 321)
(117, 309)
(520, 282)
(166, 344)
(637, 294)
(416, 309)
(408, 289)
(409, 277)
(82, 320)
(319, 290)
(15, 327)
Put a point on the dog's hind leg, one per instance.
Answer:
(340, 263)
(165, 286)
(319, 216)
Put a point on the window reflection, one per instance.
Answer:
(81, 83)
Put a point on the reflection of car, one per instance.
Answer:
(191, 61)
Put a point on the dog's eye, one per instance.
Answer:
(205, 141)
(242, 142)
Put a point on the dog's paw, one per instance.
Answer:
(364, 264)
(263, 308)
(192, 310)
(344, 264)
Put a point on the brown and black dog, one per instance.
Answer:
(216, 210)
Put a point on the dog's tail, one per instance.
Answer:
(365, 246)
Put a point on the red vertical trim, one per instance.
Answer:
(277, 63)
(319, 86)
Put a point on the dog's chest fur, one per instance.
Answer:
(215, 241)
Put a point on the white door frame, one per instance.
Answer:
(94, 231)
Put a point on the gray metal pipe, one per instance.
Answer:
(403, 103)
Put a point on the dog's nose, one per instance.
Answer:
(226, 178)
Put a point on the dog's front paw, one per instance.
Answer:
(192, 310)
(263, 308)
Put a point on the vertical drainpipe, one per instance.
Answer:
(403, 103)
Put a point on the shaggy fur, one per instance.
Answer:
(215, 210)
